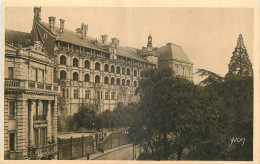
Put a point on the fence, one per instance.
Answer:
(79, 147)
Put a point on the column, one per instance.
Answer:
(32, 107)
(49, 124)
(54, 118)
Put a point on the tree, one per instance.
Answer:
(85, 117)
(240, 63)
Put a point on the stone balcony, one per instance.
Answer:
(30, 85)
(43, 151)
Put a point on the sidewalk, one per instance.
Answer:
(99, 154)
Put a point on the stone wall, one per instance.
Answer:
(79, 147)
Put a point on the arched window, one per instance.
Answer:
(135, 72)
(86, 78)
(75, 76)
(97, 66)
(75, 62)
(123, 70)
(118, 69)
(112, 69)
(128, 82)
(128, 71)
(118, 81)
(63, 75)
(123, 82)
(68, 93)
(87, 64)
(135, 83)
(97, 79)
(63, 60)
(112, 80)
(106, 80)
(106, 68)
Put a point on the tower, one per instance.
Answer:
(150, 43)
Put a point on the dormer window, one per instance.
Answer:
(45, 36)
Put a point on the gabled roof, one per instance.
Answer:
(130, 53)
(17, 37)
(173, 52)
(73, 37)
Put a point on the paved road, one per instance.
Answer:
(121, 154)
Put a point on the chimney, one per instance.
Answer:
(37, 13)
(52, 24)
(84, 30)
(62, 25)
(115, 42)
(104, 38)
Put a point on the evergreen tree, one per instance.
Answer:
(240, 63)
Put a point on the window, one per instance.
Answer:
(106, 67)
(128, 71)
(177, 69)
(135, 72)
(97, 66)
(123, 82)
(118, 69)
(75, 62)
(128, 82)
(75, 76)
(10, 72)
(189, 71)
(11, 141)
(87, 94)
(106, 95)
(183, 70)
(63, 60)
(106, 80)
(63, 92)
(101, 95)
(40, 75)
(62, 75)
(135, 83)
(12, 108)
(112, 80)
(123, 70)
(97, 79)
(68, 93)
(87, 64)
(113, 95)
(86, 78)
(45, 36)
(98, 95)
(33, 74)
(118, 81)
(113, 69)
(76, 93)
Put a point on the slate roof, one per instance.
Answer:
(173, 52)
(18, 37)
(75, 38)
(130, 53)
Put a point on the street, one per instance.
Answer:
(120, 154)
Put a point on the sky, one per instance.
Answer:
(207, 35)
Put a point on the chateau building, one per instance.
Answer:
(30, 104)
(53, 70)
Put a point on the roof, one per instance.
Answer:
(130, 53)
(173, 52)
(17, 37)
(73, 37)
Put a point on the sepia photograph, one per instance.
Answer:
(128, 83)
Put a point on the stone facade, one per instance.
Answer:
(30, 104)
